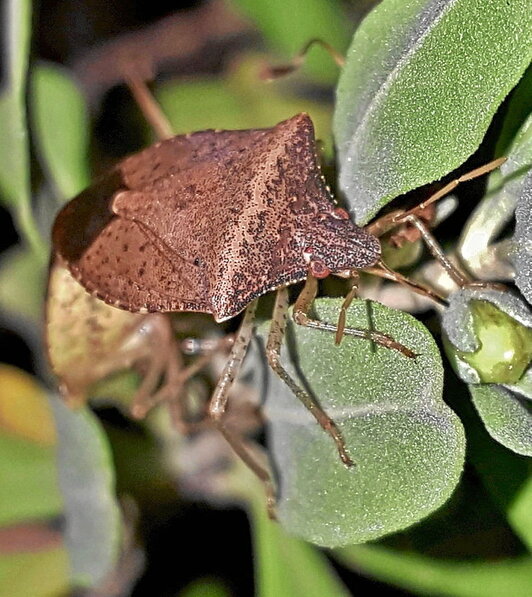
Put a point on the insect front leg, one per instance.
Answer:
(273, 354)
(218, 405)
(304, 303)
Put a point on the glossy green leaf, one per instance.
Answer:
(289, 24)
(86, 479)
(61, 130)
(288, 566)
(419, 89)
(205, 587)
(14, 152)
(426, 576)
(239, 101)
(408, 446)
(519, 512)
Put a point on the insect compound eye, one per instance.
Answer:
(318, 269)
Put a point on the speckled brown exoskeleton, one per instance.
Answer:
(210, 222)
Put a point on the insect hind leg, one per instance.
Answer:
(218, 406)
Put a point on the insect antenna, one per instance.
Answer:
(493, 165)
(270, 73)
(148, 105)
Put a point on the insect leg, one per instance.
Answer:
(383, 271)
(178, 407)
(433, 246)
(345, 306)
(218, 404)
(273, 354)
(304, 303)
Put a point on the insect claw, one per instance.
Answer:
(344, 457)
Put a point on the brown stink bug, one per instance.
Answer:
(210, 222)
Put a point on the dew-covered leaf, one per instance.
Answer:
(408, 446)
(429, 576)
(60, 122)
(489, 343)
(522, 253)
(422, 81)
(507, 416)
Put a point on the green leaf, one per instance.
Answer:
(28, 475)
(426, 576)
(419, 89)
(519, 108)
(21, 284)
(506, 415)
(205, 587)
(27, 480)
(61, 128)
(219, 109)
(407, 445)
(289, 24)
(238, 102)
(519, 513)
(86, 479)
(14, 150)
(288, 566)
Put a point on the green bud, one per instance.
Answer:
(505, 345)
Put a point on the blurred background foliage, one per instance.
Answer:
(94, 503)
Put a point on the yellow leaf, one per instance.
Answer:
(24, 408)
